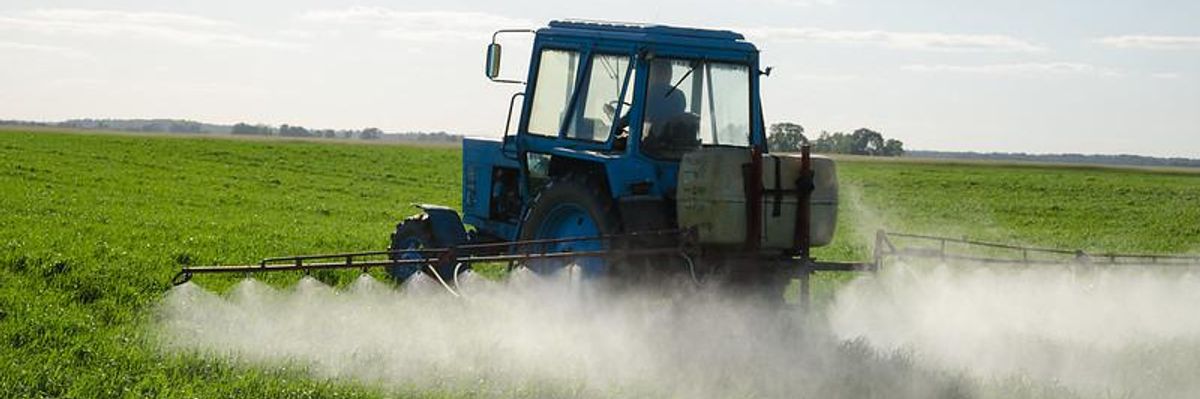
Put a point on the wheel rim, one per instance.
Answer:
(410, 245)
(567, 221)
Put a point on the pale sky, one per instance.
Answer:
(990, 75)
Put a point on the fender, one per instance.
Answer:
(448, 230)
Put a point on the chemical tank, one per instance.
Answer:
(711, 198)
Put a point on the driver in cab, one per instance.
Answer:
(663, 100)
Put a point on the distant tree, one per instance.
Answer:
(243, 128)
(837, 143)
(184, 127)
(286, 130)
(867, 142)
(248, 129)
(371, 134)
(823, 143)
(862, 142)
(893, 148)
(786, 136)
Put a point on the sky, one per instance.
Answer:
(1084, 76)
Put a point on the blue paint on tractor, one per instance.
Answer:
(482, 161)
(448, 230)
(565, 221)
(402, 273)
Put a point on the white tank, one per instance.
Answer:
(711, 198)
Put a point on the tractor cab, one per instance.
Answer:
(618, 106)
(653, 91)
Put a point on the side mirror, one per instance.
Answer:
(492, 70)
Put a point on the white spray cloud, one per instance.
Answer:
(532, 336)
(1126, 332)
(912, 331)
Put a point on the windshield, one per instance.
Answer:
(690, 103)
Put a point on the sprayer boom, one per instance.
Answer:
(907, 246)
(426, 258)
(888, 245)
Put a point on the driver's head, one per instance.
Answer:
(660, 72)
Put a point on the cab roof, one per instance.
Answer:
(648, 33)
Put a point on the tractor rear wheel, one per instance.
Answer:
(570, 207)
(412, 235)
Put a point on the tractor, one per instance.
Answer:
(639, 152)
(636, 137)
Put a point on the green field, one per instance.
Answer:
(94, 226)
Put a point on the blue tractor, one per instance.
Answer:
(633, 139)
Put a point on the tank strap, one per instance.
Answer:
(775, 208)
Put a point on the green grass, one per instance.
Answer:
(92, 228)
(1096, 209)
(1092, 208)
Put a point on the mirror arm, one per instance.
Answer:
(497, 33)
(494, 37)
(520, 82)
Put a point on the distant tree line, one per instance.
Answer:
(286, 130)
(788, 137)
(429, 137)
(129, 125)
(247, 129)
(369, 133)
(1092, 159)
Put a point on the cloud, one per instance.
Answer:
(804, 3)
(1018, 69)
(1152, 42)
(43, 49)
(423, 26)
(929, 41)
(175, 28)
(1166, 75)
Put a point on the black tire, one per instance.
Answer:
(415, 232)
(585, 193)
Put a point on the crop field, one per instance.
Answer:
(93, 227)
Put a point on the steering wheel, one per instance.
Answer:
(610, 108)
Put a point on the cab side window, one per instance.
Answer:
(595, 112)
(553, 89)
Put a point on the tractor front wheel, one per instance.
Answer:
(412, 235)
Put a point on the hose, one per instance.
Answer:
(458, 266)
(433, 270)
(691, 268)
